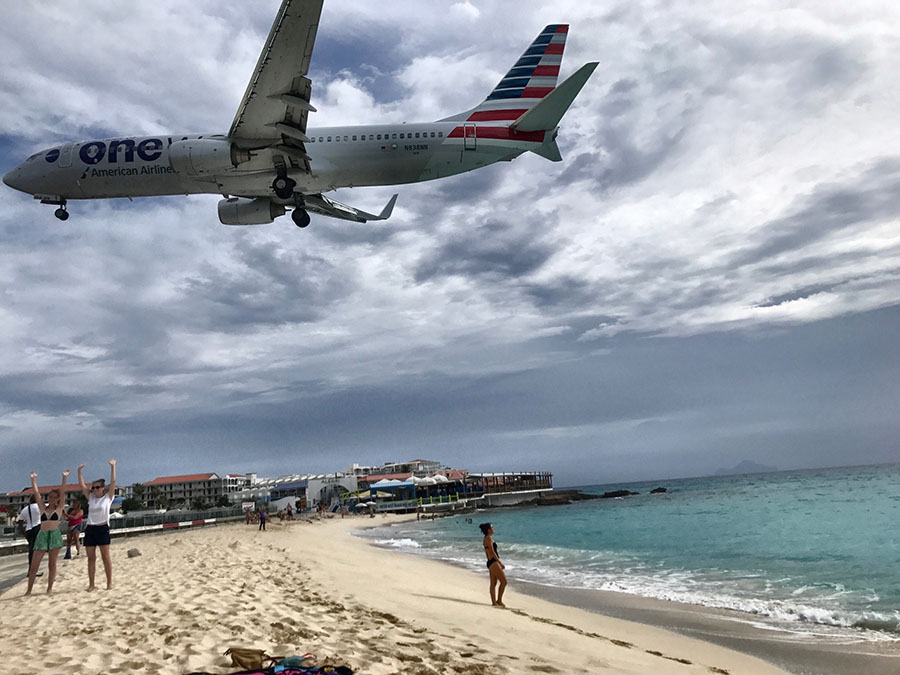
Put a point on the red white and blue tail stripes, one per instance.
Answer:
(532, 77)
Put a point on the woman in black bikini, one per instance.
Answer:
(495, 567)
(49, 539)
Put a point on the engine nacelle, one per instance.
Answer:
(243, 211)
(204, 156)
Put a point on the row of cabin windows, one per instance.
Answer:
(378, 137)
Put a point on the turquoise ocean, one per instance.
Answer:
(814, 552)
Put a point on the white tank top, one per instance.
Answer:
(98, 510)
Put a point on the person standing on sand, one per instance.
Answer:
(48, 539)
(30, 518)
(262, 518)
(97, 531)
(74, 516)
(495, 567)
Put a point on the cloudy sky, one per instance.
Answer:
(712, 274)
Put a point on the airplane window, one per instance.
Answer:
(345, 138)
(432, 134)
(354, 138)
(417, 134)
(337, 139)
(329, 139)
(402, 136)
(321, 139)
(378, 137)
(371, 137)
(440, 134)
(393, 135)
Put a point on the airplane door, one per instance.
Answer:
(65, 155)
(469, 136)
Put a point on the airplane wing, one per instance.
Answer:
(276, 102)
(325, 206)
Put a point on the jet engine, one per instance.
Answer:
(202, 156)
(243, 211)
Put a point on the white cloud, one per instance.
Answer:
(705, 136)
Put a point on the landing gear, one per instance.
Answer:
(300, 217)
(283, 187)
(61, 212)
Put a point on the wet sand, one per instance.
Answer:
(804, 655)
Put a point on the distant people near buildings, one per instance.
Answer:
(263, 516)
(96, 534)
(495, 567)
(48, 540)
(30, 517)
(74, 517)
(247, 516)
(289, 512)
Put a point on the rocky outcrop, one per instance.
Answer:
(658, 491)
(618, 493)
(557, 497)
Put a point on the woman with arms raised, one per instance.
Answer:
(49, 539)
(100, 498)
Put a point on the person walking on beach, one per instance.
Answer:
(96, 534)
(262, 519)
(48, 539)
(495, 567)
(74, 516)
(30, 518)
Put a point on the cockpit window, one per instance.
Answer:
(34, 156)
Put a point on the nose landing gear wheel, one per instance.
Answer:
(300, 217)
(61, 213)
(283, 187)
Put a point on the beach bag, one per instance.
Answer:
(251, 659)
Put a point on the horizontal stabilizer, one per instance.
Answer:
(325, 206)
(550, 110)
(549, 150)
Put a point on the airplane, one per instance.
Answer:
(270, 161)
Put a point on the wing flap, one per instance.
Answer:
(325, 206)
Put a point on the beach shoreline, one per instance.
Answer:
(312, 587)
(810, 654)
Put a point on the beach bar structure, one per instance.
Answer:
(509, 489)
(439, 492)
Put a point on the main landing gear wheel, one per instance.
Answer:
(283, 187)
(61, 213)
(300, 217)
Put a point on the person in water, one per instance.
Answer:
(494, 565)
(99, 499)
(49, 540)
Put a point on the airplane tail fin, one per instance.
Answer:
(529, 80)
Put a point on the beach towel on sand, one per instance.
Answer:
(279, 670)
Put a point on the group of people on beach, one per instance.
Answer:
(42, 526)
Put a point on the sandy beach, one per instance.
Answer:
(312, 587)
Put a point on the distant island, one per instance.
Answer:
(746, 467)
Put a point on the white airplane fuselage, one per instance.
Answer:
(271, 161)
(345, 157)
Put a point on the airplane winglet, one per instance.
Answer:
(387, 210)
